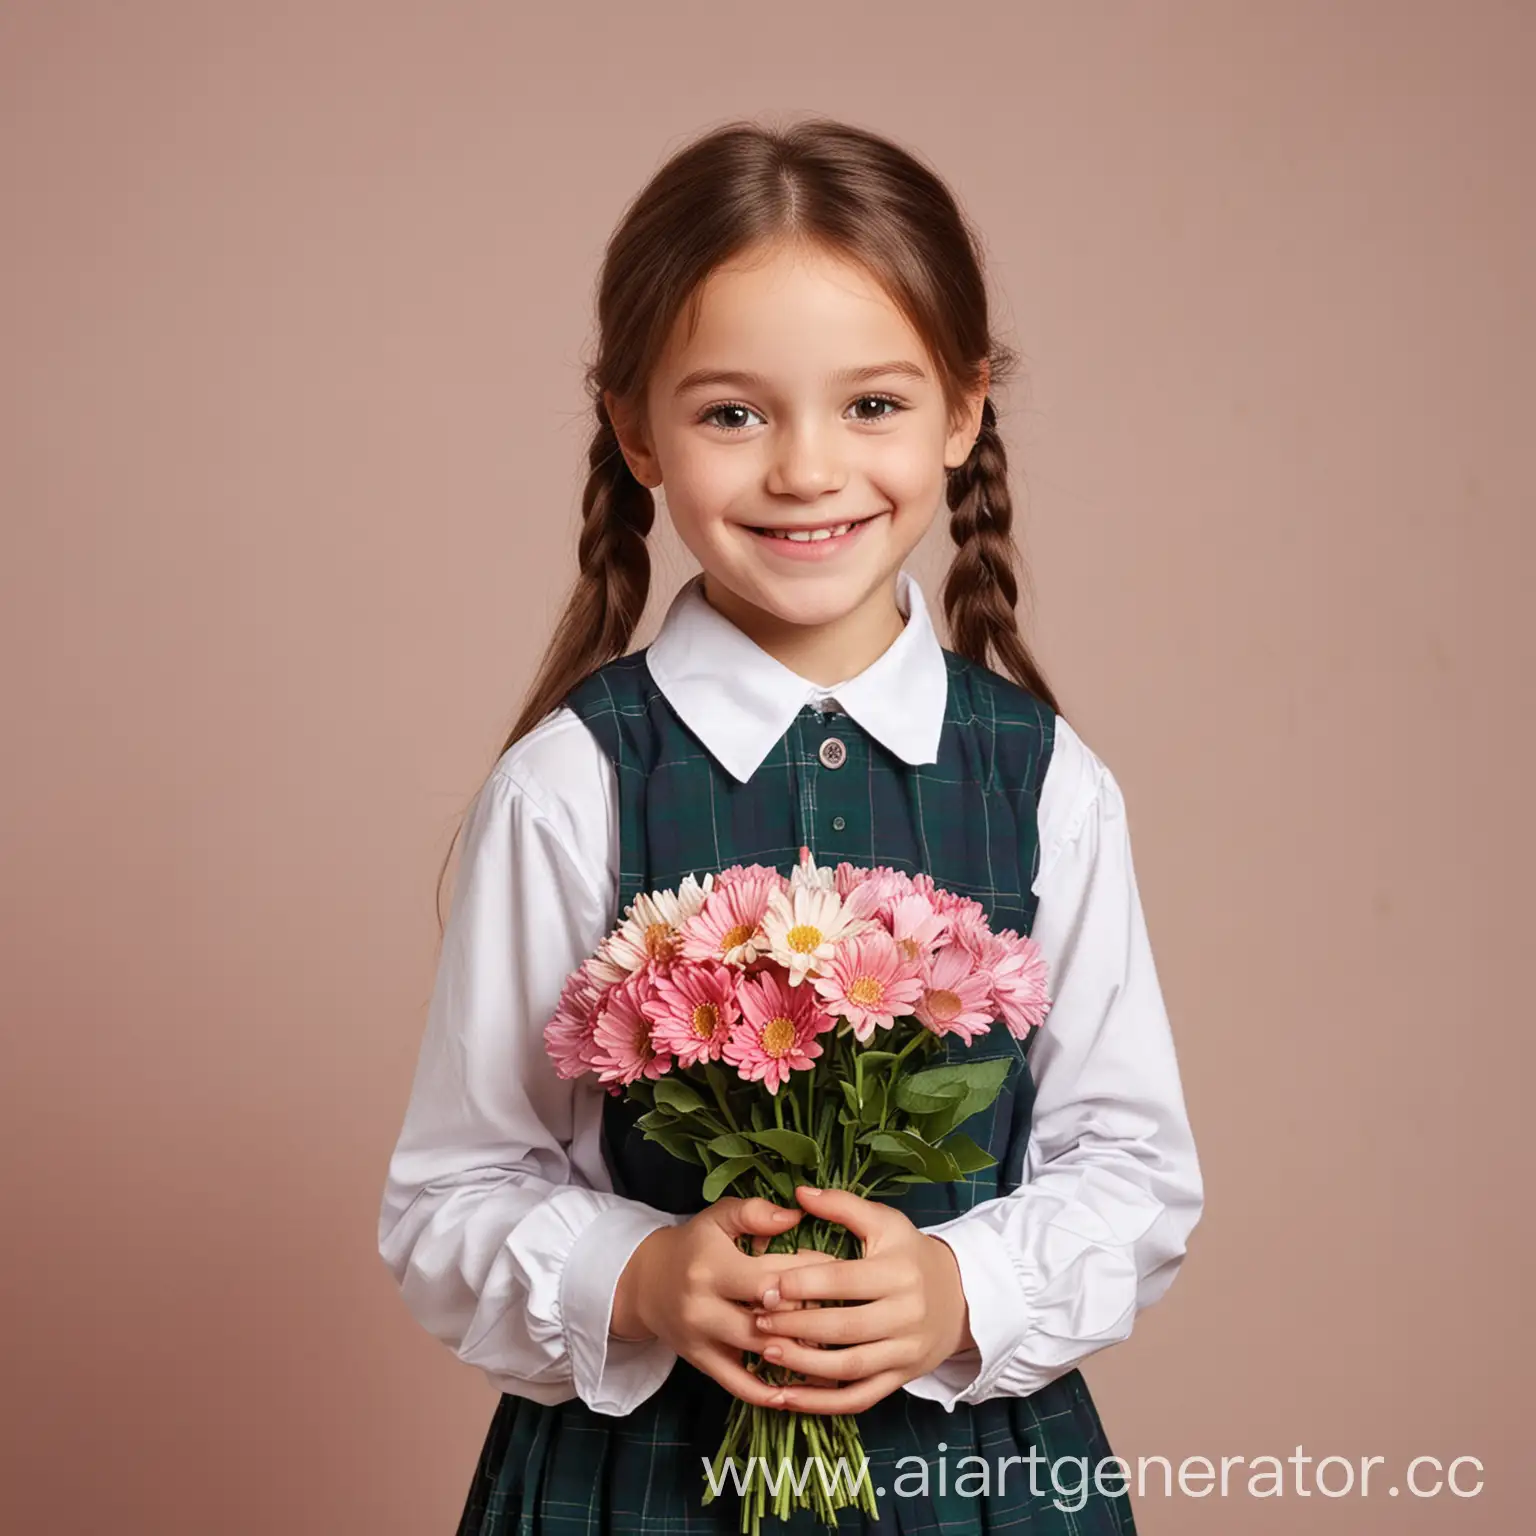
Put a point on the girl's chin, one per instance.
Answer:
(807, 602)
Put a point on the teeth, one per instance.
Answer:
(816, 535)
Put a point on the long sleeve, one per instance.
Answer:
(498, 1218)
(1112, 1188)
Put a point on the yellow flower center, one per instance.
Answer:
(643, 1039)
(803, 938)
(706, 1019)
(866, 991)
(778, 1035)
(943, 1005)
(910, 948)
(737, 935)
(660, 941)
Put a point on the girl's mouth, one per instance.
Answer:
(818, 545)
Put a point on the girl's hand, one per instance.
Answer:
(693, 1287)
(914, 1313)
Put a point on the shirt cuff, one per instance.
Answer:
(998, 1315)
(611, 1375)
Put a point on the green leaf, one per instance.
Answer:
(781, 1181)
(802, 1151)
(716, 1183)
(983, 1081)
(912, 1153)
(968, 1076)
(677, 1143)
(919, 1100)
(850, 1096)
(732, 1145)
(676, 1095)
(969, 1157)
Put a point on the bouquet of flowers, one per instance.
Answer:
(775, 1029)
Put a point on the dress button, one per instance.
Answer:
(838, 823)
(833, 753)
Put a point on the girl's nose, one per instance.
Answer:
(806, 465)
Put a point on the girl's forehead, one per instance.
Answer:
(794, 315)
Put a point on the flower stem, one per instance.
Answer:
(723, 1101)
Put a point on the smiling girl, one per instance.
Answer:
(795, 348)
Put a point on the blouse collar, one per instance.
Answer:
(739, 701)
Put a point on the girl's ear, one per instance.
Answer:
(962, 439)
(632, 441)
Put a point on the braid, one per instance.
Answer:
(613, 578)
(981, 589)
(611, 553)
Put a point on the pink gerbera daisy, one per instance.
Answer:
(948, 903)
(970, 929)
(872, 892)
(693, 1010)
(777, 1031)
(626, 1048)
(870, 983)
(737, 874)
(917, 928)
(958, 997)
(729, 926)
(569, 1036)
(1020, 991)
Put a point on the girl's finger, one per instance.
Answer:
(855, 1399)
(742, 1276)
(730, 1324)
(861, 1323)
(726, 1368)
(843, 1280)
(847, 1366)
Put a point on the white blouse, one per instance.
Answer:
(499, 1221)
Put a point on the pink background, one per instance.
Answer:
(293, 303)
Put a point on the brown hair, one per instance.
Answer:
(854, 194)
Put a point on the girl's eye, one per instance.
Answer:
(895, 405)
(715, 411)
(713, 414)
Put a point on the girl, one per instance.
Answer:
(794, 344)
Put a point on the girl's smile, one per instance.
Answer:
(812, 541)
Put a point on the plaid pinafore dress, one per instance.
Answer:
(970, 821)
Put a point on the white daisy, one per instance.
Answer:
(650, 930)
(803, 927)
(805, 874)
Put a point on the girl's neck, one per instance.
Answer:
(824, 654)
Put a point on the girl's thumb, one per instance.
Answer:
(757, 1215)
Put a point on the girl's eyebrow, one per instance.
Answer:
(700, 377)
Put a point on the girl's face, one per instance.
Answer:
(804, 401)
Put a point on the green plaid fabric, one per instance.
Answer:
(970, 821)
